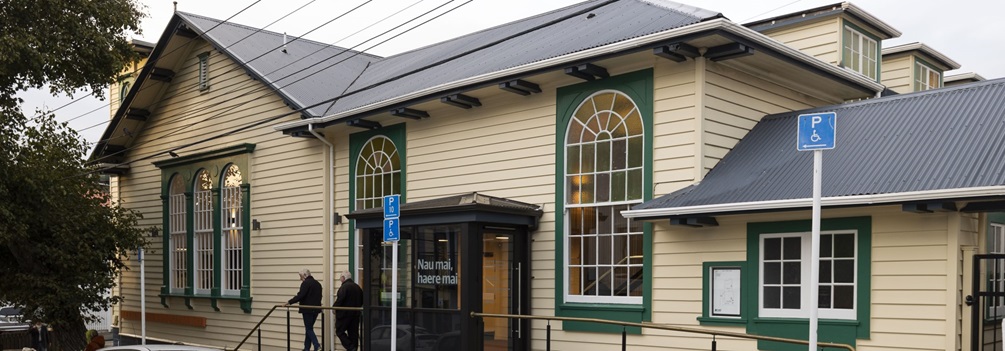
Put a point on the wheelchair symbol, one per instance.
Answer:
(815, 137)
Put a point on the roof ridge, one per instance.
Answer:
(524, 19)
(266, 31)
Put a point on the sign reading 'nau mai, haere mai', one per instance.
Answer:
(435, 272)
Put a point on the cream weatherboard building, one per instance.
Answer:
(610, 159)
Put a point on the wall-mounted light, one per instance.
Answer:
(154, 231)
(337, 218)
(256, 225)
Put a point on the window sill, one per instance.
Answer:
(724, 322)
(768, 320)
(244, 299)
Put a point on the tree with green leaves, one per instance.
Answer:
(62, 241)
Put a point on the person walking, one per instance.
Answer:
(347, 322)
(309, 295)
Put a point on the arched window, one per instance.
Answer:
(378, 173)
(232, 215)
(177, 234)
(123, 91)
(203, 220)
(604, 148)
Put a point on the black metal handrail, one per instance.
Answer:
(258, 326)
(655, 326)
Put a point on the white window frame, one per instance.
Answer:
(863, 42)
(635, 228)
(177, 237)
(996, 245)
(232, 234)
(203, 237)
(358, 274)
(804, 311)
(923, 79)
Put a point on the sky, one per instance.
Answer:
(967, 31)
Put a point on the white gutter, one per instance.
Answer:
(872, 20)
(329, 266)
(718, 23)
(827, 201)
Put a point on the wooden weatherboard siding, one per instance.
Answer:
(286, 197)
(898, 73)
(734, 102)
(820, 39)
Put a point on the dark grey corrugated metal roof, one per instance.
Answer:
(612, 23)
(312, 85)
(950, 138)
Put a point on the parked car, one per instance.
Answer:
(159, 347)
(380, 338)
(10, 320)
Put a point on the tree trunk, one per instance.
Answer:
(68, 336)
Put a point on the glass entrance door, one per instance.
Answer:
(499, 290)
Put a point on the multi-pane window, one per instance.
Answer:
(860, 52)
(177, 235)
(204, 71)
(603, 176)
(378, 173)
(926, 78)
(203, 220)
(996, 269)
(785, 268)
(232, 214)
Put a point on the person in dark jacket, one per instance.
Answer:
(309, 295)
(347, 322)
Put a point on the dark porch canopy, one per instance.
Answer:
(470, 207)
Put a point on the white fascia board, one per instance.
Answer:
(856, 200)
(872, 20)
(925, 49)
(962, 76)
(719, 23)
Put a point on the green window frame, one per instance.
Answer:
(830, 330)
(374, 167)
(638, 87)
(220, 179)
(860, 51)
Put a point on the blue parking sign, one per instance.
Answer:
(816, 131)
(391, 232)
(392, 206)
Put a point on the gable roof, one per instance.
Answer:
(939, 57)
(825, 11)
(940, 144)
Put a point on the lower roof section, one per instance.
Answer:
(943, 144)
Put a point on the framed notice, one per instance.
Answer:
(724, 292)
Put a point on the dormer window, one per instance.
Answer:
(860, 52)
(204, 71)
(925, 77)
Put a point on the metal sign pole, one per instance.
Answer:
(815, 132)
(394, 297)
(815, 249)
